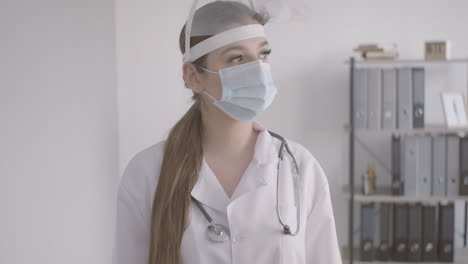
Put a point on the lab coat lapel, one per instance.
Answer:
(209, 191)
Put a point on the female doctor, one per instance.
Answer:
(222, 188)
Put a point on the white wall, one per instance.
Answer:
(307, 60)
(58, 131)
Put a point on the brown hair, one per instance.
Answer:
(183, 156)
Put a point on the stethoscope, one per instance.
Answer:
(219, 233)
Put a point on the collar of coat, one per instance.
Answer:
(261, 171)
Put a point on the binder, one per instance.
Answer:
(405, 98)
(360, 98)
(384, 230)
(374, 99)
(439, 166)
(418, 98)
(429, 223)
(464, 166)
(367, 232)
(389, 98)
(453, 165)
(424, 168)
(409, 164)
(416, 165)
(415, 232)
(400, 233)
(446, 232)
(459, 224)
(397, 181)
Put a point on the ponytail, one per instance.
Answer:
(183, 156)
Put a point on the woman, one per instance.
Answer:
(219, 166)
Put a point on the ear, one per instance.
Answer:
(192, 77)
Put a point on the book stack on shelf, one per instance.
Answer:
(422, 216)
(376, 52)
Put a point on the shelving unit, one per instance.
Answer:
(351, 256)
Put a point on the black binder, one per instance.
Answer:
(429, 249)
(367, 232)
(384, 243)
(415, 232)
(464, 166)
(418, 97)
(397, 182)
(400, 233)
(446, 232)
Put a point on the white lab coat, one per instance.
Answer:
(250, 214)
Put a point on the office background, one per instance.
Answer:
(87, 84)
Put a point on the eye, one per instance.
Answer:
(265, 54)
(235, 59)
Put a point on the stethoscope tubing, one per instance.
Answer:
(285, 227)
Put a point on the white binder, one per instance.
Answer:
(439, 166)
(360, 98)
(405, 98)
(389, 98)
(453, 165)
(417, 169)
(374, 83)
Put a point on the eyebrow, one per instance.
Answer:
(262, 44)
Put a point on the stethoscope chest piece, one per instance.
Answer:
(217, 233)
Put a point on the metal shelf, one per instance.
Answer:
(407, 61)
(460, 257)
(383, 198)
(416, 131)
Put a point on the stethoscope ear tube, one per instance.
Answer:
(284, 145)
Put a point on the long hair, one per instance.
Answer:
(183, 156)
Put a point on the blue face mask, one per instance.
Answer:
(247, 90)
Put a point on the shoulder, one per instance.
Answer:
(140, 177)
(314, 181)
(308, 164)
(145, 163)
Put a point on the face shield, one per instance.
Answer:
(214, 24)
(247, 86)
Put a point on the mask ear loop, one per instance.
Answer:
(214, 99)
(208, 70)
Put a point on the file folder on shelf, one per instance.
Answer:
(384, 230)
(374, 98)
(415, 232)
(464, 166)
(397, 180)
(360, 98)
(367, 232)
(418, 97)
(453, 165)
(446, 232)
(389, 99)
(459, 224)
(405, 98)
(416, 165)
(439, 167)
(429, 227)
(400, 233)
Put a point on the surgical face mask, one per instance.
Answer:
(247, 90)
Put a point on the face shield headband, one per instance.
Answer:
(219, 40)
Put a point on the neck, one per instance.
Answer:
(224, 136)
